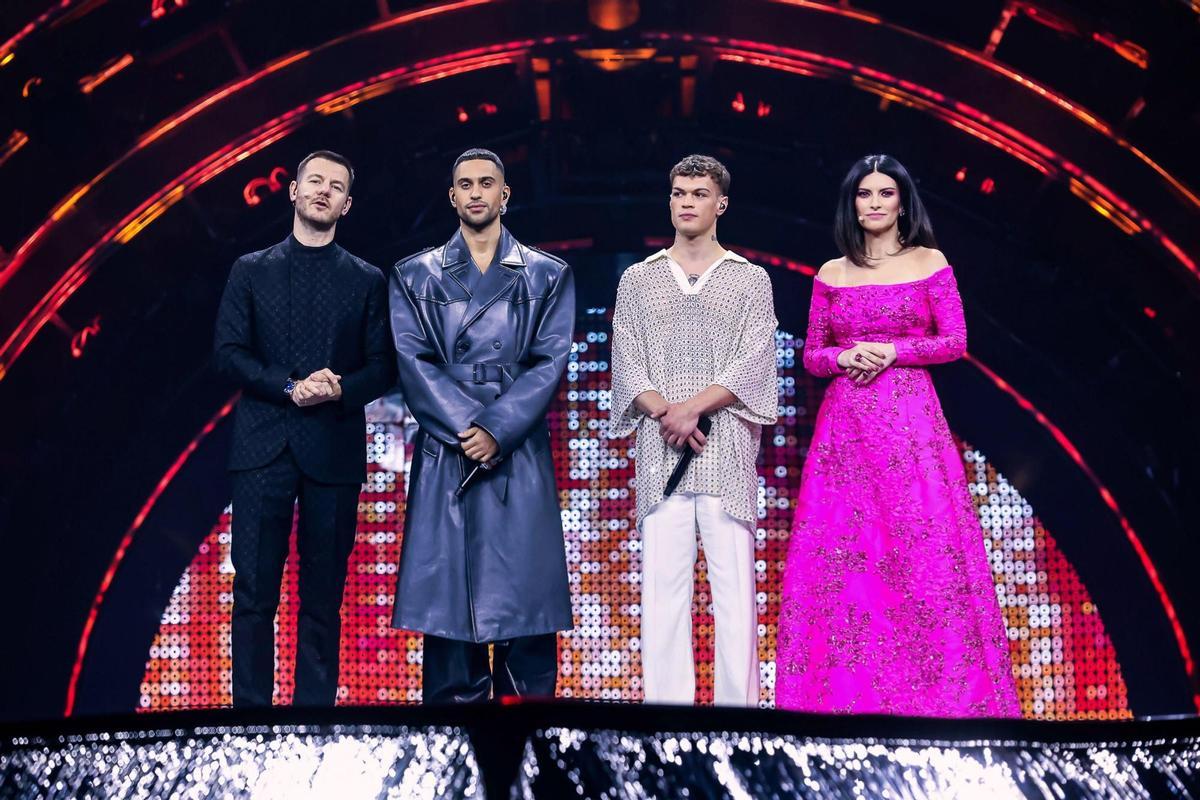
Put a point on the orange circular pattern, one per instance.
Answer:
(1065, 663)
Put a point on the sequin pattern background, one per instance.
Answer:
(1066, 665)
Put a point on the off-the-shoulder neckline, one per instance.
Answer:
(937, 271)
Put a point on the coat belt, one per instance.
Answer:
(503, 374)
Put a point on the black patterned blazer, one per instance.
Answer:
(280, 318)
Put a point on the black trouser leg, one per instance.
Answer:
(526, 666)
(454, 671)
(324, 539)
(263, 503)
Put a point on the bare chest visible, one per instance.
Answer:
(718, 302)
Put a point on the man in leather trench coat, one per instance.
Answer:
(482, 327)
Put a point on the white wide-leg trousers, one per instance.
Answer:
(668, 564)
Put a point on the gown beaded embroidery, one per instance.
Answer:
(888, 600)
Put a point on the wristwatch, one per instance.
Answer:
(289, 386)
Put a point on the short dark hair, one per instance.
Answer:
(694, 166)
(916, 230)
(477, 154)
(328, 155)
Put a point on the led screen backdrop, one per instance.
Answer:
(1067, 666)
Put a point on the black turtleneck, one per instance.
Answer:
(298, 249)
(312, 272)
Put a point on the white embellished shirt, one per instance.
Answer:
(680, 338)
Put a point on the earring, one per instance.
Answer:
(503, 209)
(902, 212)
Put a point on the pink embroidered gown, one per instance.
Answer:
(888, 601)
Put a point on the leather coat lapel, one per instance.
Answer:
(496, 281)
(456, 260)
(456, 257)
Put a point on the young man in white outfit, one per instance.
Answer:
(694, 336)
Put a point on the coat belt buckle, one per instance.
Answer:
(479, 373)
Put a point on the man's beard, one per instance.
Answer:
(314, 222)
(480, 225)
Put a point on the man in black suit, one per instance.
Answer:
(303, 330)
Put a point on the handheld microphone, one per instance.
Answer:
(474, 475)
(704, 424)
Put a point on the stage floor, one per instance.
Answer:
(563, 749)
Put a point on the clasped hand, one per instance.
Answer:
(478, 444)
(320, 387)
(677, 426)
(866, 360)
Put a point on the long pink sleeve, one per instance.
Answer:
(820, 353)
(886, 537)
(949, 340)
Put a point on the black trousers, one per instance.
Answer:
(263, 503)
(458, 672)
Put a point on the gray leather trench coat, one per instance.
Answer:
(490, 565)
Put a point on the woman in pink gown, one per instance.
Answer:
(888, 600)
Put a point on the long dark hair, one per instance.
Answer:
(915, 229)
